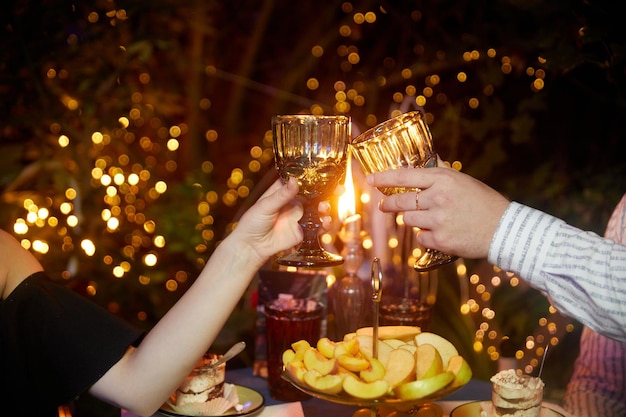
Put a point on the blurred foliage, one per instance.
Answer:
(221, 69)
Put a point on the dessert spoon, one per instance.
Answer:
(230, 353)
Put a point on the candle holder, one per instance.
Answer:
(349, 295)
(413, 303)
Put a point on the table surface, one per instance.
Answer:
(314, 407)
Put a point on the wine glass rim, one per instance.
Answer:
(311, 116)
(391, 124)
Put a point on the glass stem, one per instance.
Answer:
(310, 223)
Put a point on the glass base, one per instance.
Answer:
(433, 259)
(302, 258)
(399, 311)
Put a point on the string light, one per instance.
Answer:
(548, 330)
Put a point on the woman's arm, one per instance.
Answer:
(146, 376)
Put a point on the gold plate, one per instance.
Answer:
(388, 401)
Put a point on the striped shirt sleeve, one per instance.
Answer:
(597, 386)
(583, 274)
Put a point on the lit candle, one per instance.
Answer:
(352, 222)
(348, 296)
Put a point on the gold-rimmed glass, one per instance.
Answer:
(313, 149)
(400, 142)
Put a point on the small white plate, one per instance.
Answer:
(473, 410)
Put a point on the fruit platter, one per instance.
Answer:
(406, 367)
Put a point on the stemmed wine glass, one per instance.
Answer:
(313, 149)
(400, 142)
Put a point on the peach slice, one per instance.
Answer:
(400, 367)
(349, 347)
(326, 347)
(343, 372)
(353, 363)
(288, 356)
(329, 384)
(376, 371)
(365, 390)
(423, 387)
(296, 370)
(349, 336)
(313, 359)
(300, 345)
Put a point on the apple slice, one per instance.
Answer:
(444, 346)
(329, 384)
(429, 362)
(376, 371)
(365, 390)
(400, 367)
(461, 369)
(404, 333)
(366, 348)
(423, 387)
(313, 359)
(409, 346)
(394, 343)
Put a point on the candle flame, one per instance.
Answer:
(347, 204)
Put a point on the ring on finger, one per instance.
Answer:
(417, 198)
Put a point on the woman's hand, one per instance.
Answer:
(271, 224)
(457, 213)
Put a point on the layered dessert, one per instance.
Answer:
(203, 384)
(515, 395)
(203, 392)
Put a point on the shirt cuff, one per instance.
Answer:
(521, 241)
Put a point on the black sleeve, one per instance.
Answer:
(55, 344)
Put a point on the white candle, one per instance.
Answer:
(352, 228)
(378, 228)
(352, 223)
